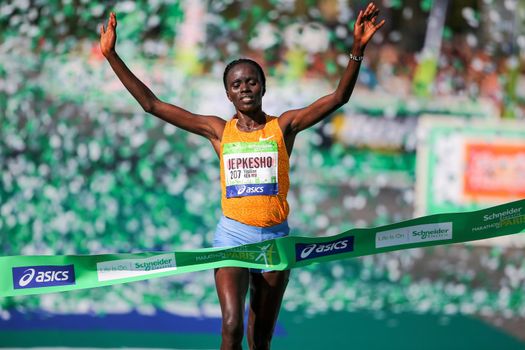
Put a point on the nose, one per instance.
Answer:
(245, 87)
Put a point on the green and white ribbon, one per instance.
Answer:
(23, 275)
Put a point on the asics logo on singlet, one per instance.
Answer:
(241, 190)
(249, 190)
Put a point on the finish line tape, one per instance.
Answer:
(25, 275)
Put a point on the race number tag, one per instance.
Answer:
(250, 168)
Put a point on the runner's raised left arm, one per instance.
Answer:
(293, 121)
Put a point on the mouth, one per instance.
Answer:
(247, 99)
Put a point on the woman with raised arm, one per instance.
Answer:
(254, 150)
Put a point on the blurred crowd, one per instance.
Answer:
(462, 71)
(479, 57)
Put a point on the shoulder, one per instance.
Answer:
(270, 119)
(228, 125)
(273, 122)
(215, 127)
(285, 121)
(229, 122)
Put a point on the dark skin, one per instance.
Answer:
(244, 89)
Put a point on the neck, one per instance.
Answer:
(251, 121)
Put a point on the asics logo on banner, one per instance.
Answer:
(27, 277)
(249, 190)
(321, 248)
(43, 276)
(315, 250)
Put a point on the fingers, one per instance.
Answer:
(359, 19)
(371, 12)
(113, 19)
(376, 27)
(112, 23)
(379, 25)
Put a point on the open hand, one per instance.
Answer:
(108, 37)
(365, 25)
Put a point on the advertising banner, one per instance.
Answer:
(468, 165)
(22, 275)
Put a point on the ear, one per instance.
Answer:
(228, 95)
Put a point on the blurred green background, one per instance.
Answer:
(84, 170)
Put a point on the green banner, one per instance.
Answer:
(22, 275)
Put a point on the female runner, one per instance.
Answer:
(254, 150)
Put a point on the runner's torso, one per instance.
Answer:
(254, 174)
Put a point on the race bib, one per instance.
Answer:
(250, 168)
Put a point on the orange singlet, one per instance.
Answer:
(254, 174)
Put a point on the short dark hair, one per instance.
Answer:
(248, 61)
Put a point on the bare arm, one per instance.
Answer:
(210, 127)
(294, 121)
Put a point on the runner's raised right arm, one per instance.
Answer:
(208, 126)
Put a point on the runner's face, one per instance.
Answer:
(244, 87)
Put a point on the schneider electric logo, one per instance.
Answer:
(414, 234)
(502, 215)
(315, 250)
(43, 276)
(124, 268)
